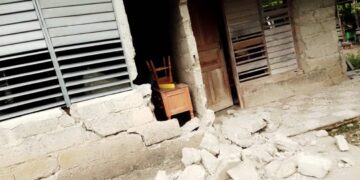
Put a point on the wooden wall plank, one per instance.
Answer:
(9, 1)
(281, 53)
(16, 7)
(17, 28)
(22, 37)
(85, 38)
(23, 47)
(280, 47)
(278, 30)
(81, 29)
(78, 10)
(252, 65)
(282, 58)
(77, 20)
(61, 3)
(285, 69)
(18, 17)
(283, 64)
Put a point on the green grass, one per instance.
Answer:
(354, 60)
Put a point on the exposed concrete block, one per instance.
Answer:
(251, 123)
(190, 126)
(224, 166)
(211, 143)
(342, 143)
(245, 170)
(193, 172)
(190, 156)
(35, 169)
(230, 151)
(157, 131)
(37, 146)
(314, 166)
(241, 137)
(209, 161)
(321, 133)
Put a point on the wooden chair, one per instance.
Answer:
(162, 74)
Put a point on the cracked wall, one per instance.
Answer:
(99, 139)
(318, 56)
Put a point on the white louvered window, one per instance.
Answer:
(55, 53)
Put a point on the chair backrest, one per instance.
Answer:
(161, 74)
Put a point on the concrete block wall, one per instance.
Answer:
(318, 55)
(97, 139)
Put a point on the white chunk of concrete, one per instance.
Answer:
(314, 166)
(161, 175)
(190, 156)
(230, 151)
(245, 170)
(241, 137)
(193, 172)
(221, 171)
(284, 143)
(211, 143)
(286, 169)
(157, 131)
(342, 144)
(190, 126)
(251, 122)
(321, 133)
(209, 161)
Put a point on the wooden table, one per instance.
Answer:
(174, 101)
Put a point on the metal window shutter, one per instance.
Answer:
(28, 81)
(87, 45)
(279, 39)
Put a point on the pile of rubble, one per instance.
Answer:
(248, 148)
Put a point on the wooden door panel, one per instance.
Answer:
(206, 31)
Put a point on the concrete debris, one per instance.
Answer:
(190, 126)
(287, 168)
(209, 161)
(230, 151)
(342, 143)
(211, 143)
(251, 123)
(321, 133)
(284, 143)
(313, 165)
(161, 175)
(193, 172)
(241, 137)
(245, 170)
(221, 171)
(190, 156)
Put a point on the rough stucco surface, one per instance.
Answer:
(318, 55)
(186, 59)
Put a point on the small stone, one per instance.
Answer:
(190, 156)
(350, 125)
(211, 143)
(314, 166)
(161, 175)
(245, 170)
(321, 133)
(209, 161)
(193, 172)
(342, 143)
(190, 126)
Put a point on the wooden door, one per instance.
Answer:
(206, 31)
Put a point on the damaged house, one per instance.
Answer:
(74, 95)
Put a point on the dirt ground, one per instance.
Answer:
(351, 131)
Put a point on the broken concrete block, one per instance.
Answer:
(211, 143)
(207, 119)
(286, 169)
(190, 126)
(342, 144)
(321, 133)
(312, 165)
(252, 123)
(224, 166)
(209, 161)
(245, 170)
(284, 143)
(190, 156)
(241, 137)
(161, 175)
(157, 131)
(230, 151)
(272, 168)
(193, 172)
